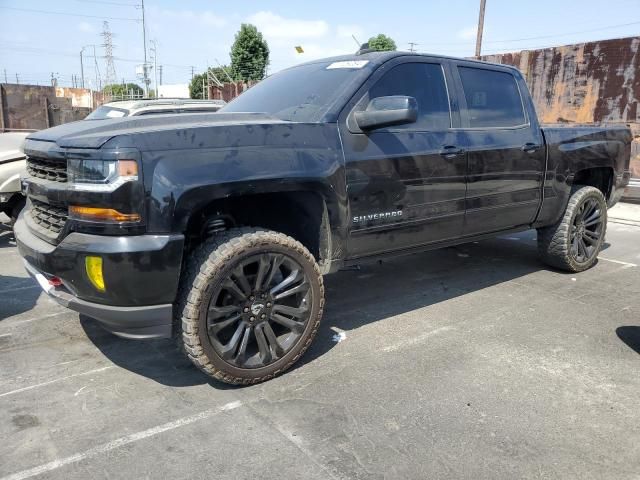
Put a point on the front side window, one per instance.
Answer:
(423, 81)
(493, 98)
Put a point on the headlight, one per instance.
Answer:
(102, 174)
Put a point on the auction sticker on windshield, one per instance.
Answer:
(348, 64)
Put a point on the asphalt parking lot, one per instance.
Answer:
(468, 362)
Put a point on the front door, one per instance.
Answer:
(405, 183)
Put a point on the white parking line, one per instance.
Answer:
(619, 262)
(134, 437)
(38, 385)
(415, 340)
(29, 320)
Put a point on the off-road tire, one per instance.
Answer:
(209, 263)
(554, 242)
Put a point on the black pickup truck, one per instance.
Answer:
(218, 228)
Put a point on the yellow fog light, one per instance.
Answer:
(93, 266)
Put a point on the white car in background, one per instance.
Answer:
(130, 108)
(12, 164)
(12, 160)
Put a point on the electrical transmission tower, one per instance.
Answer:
(110, 75)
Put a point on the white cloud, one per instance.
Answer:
(209, 18)
(276, 27)
(205, 17)
(346, 31)
(468, 33)
(86, 27)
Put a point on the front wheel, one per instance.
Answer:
(251, 303)
(574, 242)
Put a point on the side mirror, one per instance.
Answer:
(386, 111)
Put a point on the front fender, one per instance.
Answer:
(226, 162)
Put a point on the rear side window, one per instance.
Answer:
(423, 81)
(493, 98)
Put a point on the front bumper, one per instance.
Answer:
(141, 275)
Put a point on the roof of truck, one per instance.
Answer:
(377, 58)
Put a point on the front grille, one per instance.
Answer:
(48, 217)
(54, 169)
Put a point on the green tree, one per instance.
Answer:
(382, 43)
(195, 87)
(123, 89)
(249, 54)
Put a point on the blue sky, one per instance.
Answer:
(198, 33)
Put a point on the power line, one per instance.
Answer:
(108, 3)
(32, 10)
(470, 42)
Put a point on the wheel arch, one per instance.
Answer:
(306, 211)
(601, 178)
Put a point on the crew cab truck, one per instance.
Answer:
(218, 228)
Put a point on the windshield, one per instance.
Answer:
(103, 112)
(301, 94)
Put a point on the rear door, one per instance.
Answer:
(505, 148)
(405, 187)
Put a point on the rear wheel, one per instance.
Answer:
(574, 242)
(251, 304)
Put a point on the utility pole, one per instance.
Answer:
(5, 76)
(411, 46)
(82, 67)
(480, 28)
(192, 72)
(160, 73)
(203, 88)
(95, 62)
(144, 42)
(17, 79)
(155, 64)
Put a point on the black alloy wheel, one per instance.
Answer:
(258, 313)
(250, 304)
(575, 240)
(586, 230)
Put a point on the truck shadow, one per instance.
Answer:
(6, 235)
(159, 360)
(375, 292)
(354, 298)
(17, 294)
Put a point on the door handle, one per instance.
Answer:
(530, 147)
(451, 151)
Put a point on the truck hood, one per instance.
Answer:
(95, 133)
